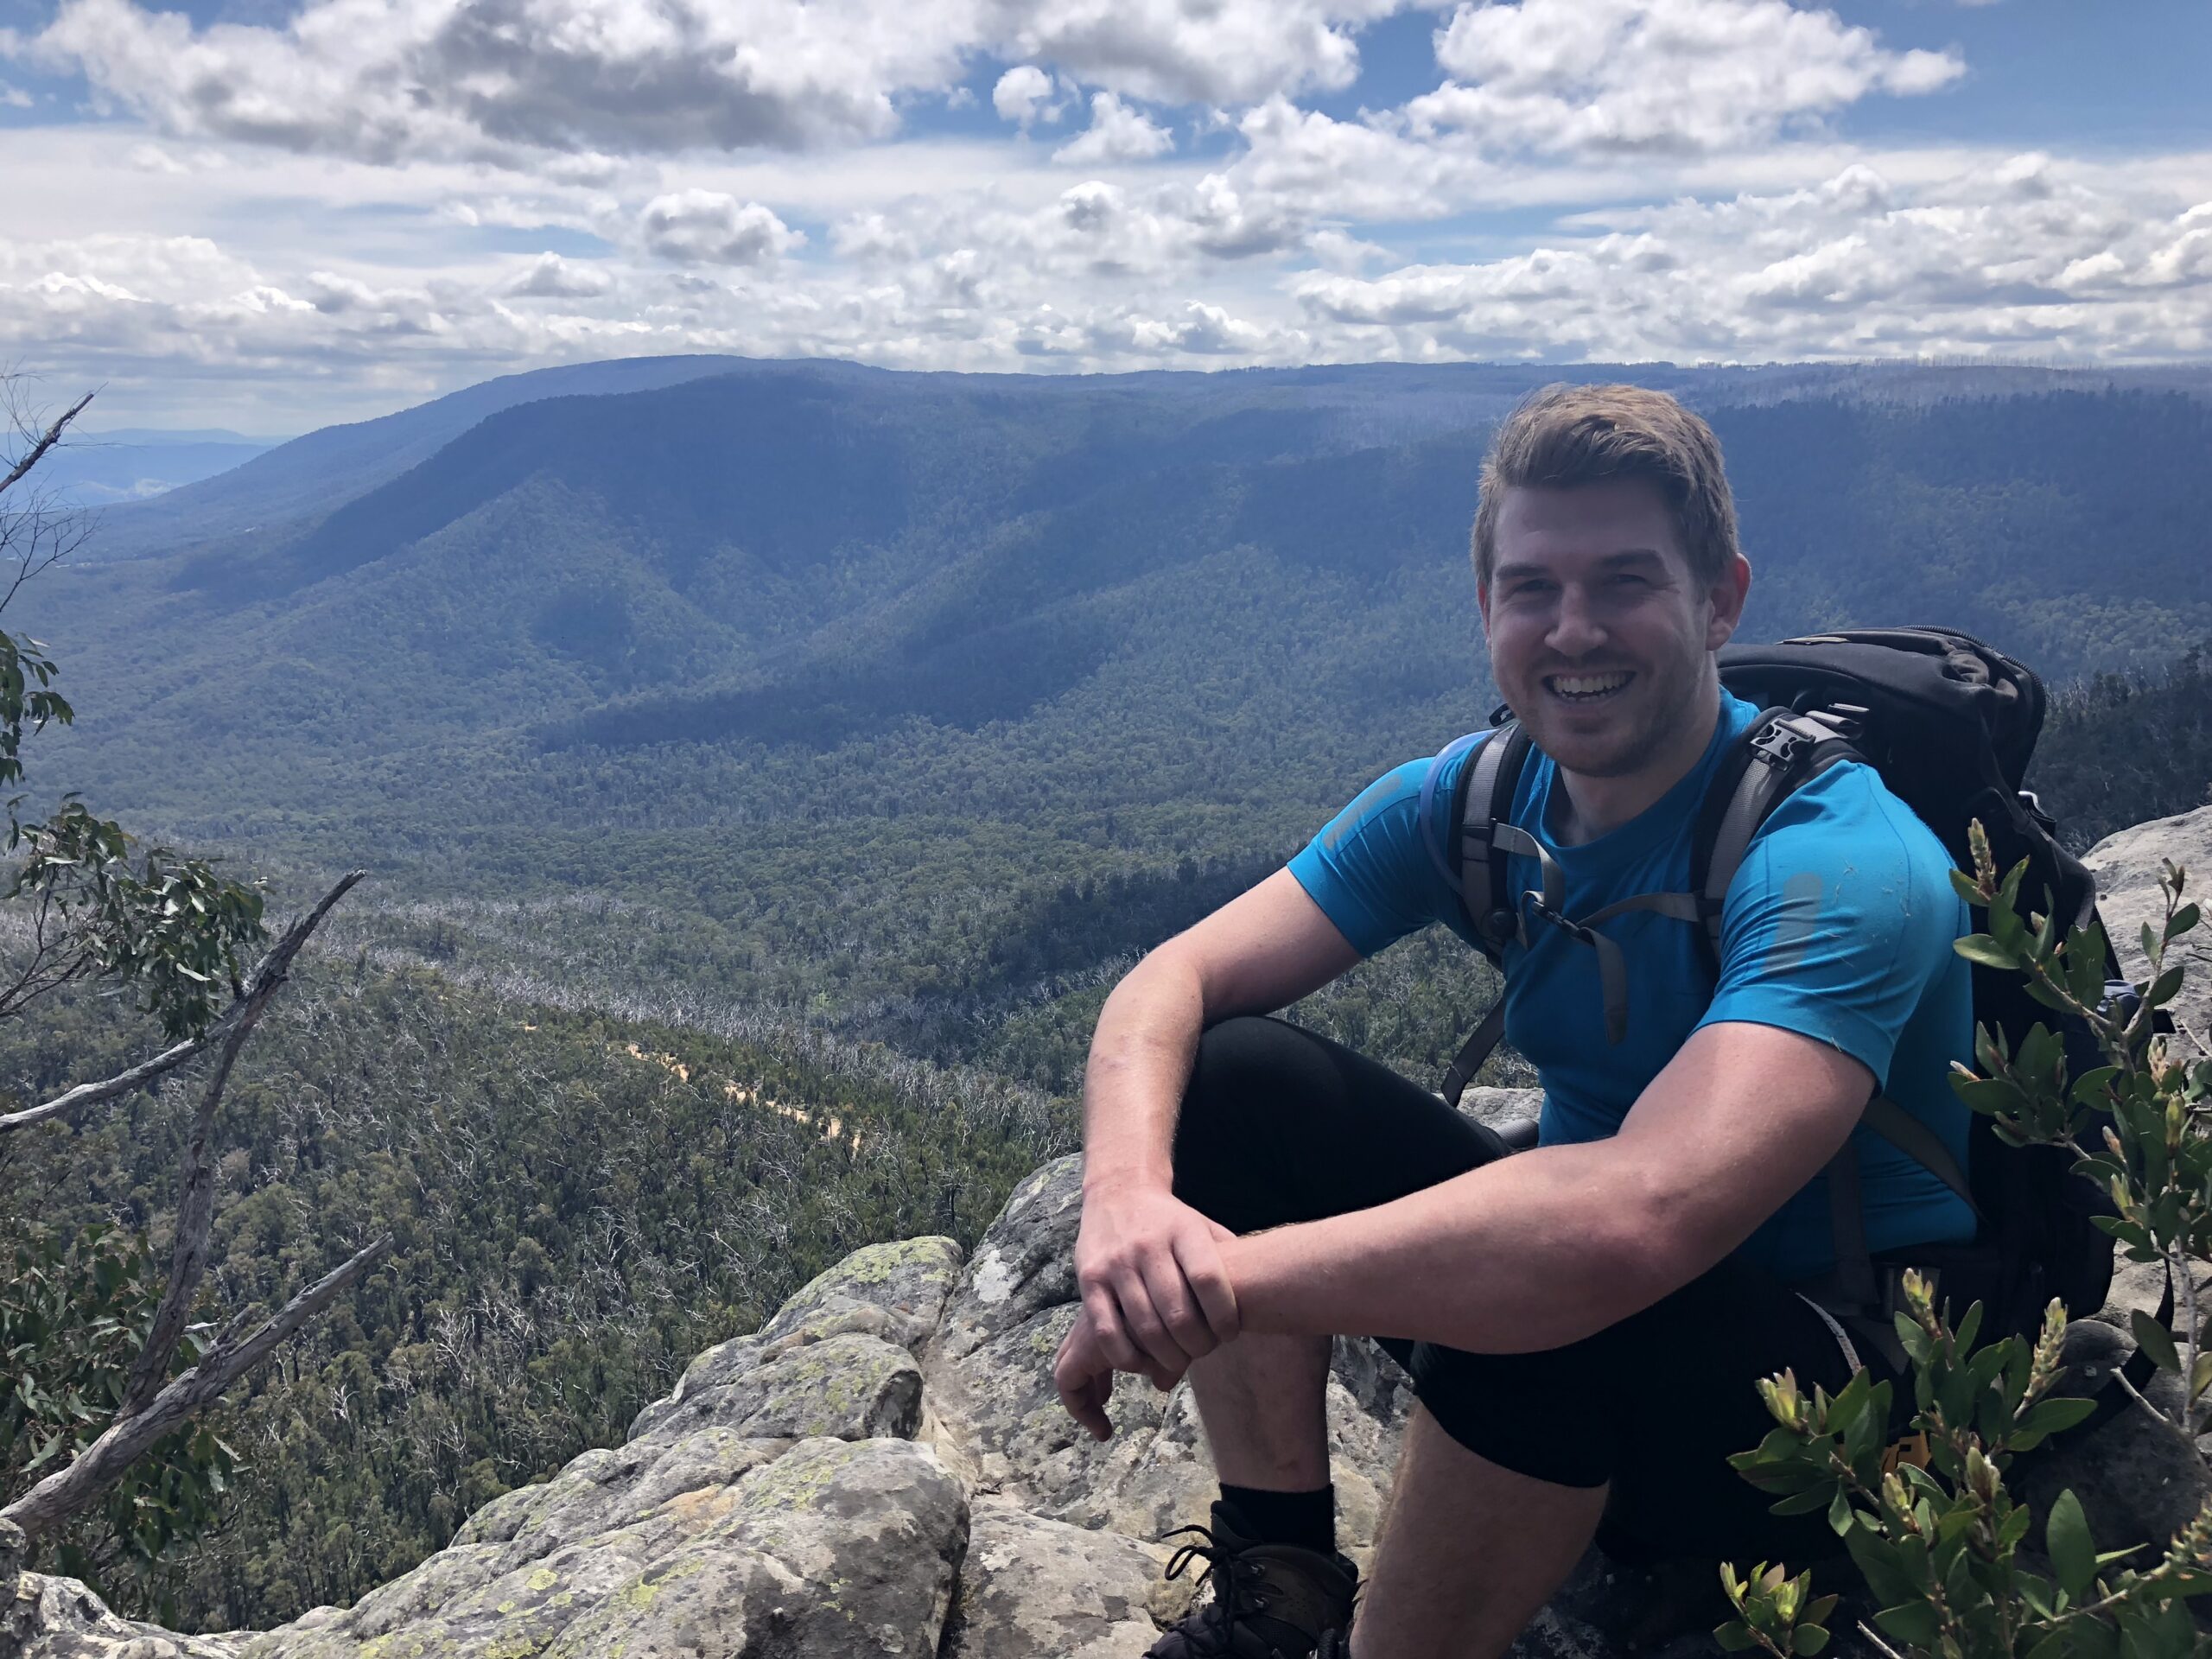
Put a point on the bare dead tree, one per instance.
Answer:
(229, 1029)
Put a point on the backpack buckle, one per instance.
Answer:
(1777, 745)
(1572, 929)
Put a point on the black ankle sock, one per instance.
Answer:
(1306, 1519)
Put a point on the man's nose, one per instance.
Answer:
(1575, 629)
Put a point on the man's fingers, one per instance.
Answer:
(1113, 1342)
(1209, 1283)
(1084, 1392)
(1142, 1313)
(1181, 1314)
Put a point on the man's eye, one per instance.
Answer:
(1627, 579)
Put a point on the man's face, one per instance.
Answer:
(1599, 636)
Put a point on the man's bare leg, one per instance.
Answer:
(1264, 1402)
(1469, 1552)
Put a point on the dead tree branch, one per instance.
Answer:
(52, 436)
(38, 450)
(195, 1217)
(244, 1010)
(61, 1496)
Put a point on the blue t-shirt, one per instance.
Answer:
(1838, 925)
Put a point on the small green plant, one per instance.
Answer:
(1927, 1519)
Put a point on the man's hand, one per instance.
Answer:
(1153, 1289)
(1085, 1377)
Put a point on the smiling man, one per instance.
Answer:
(1584, 1322)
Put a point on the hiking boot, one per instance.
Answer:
(1268, 1601)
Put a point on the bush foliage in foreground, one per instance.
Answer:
(1928, 1520)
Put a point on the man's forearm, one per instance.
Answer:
(1531, 1253)
(1140, 1062)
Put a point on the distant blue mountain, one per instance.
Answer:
(133, 464)
(802, 555)
(303, 479)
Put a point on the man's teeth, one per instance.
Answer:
(1587, 685)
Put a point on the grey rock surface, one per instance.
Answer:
(990, 1386)
(2138, 1481)
(1501, 1107)
(1035, 1588)
(2126, 865)
(53, 1618)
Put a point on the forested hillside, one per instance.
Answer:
(841, 695)
(765, 772)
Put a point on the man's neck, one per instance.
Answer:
(1596, 806)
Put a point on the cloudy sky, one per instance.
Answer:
(269, 214)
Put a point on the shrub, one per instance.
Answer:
(1928, 1520)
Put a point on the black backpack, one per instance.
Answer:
(1949, 724)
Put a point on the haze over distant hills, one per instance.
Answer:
(98, 468)
(804, 657)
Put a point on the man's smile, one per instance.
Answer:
(1587, 687)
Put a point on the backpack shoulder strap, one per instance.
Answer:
(1430, 844)
(1920, 1144)
(1780, 750)
(1484, 802)
(1482, 808)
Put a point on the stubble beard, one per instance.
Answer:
(1618, 754)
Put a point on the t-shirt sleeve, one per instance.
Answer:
(1368, 869)
(1841, 918)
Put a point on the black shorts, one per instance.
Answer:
(1282, 1126)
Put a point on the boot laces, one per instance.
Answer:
(1235, 1581)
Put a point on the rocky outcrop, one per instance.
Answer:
(2128, 866)
(884, 1469)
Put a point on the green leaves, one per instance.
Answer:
(26, 672)
(1938, 1545)
(165, 927)
(2073, 1553)
(2155, 1340)
(74, 1310)
(1774, 1613)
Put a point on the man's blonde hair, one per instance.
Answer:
(1562, 435)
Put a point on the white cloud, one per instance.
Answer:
(1020, 95)
(1333, 250)
(389, 80)
(14, 98)
(1645, 76)
(152, 158)
(1193, 51)
(551, 277)
(1855, 267)
(705, 227)
(1116, 133)
(1755, 233)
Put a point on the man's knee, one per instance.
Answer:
(1243, 1066)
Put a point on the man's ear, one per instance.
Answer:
(1482, 604)
(1726, 597)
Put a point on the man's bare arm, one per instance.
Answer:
(1261, 952)
(1548, 1247)
(1152, 1278)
